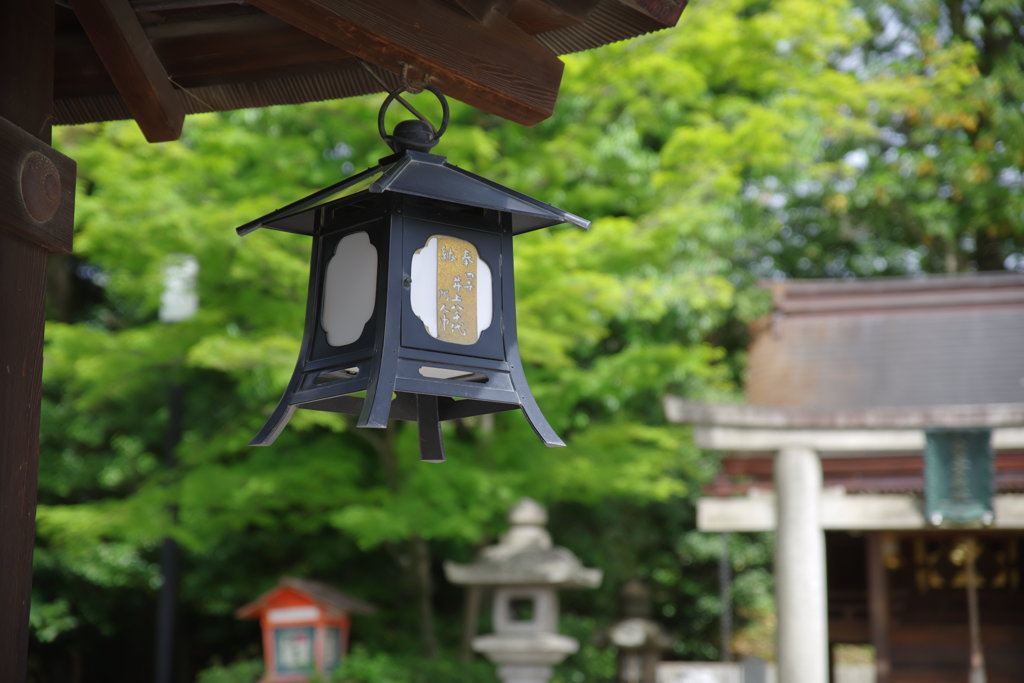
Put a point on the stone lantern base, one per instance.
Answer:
(521, 673)
(525, 658)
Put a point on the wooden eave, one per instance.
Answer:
(855, 473)
(875, 450)
(156, 60)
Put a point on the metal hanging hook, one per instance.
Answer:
(420, 135)
(413, 88)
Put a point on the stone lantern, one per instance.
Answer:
(639, 640)
(525, 571)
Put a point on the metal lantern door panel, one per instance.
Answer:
(327, 370)
(450, 280)
(411, 298)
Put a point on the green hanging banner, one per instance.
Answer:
(958, 476)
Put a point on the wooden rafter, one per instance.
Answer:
(237, 49)
(482, 9)
(665, 12)
(494, 66)
(133, 65)
(576, 8)
(538, 16)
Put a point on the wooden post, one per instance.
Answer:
(971, 551)
(36, 202)
(725, 594)
(878, 606)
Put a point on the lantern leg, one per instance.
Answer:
(515, 364)
(428, 419)
(384, 366)
(274, 425)
(379, 392)
(284, 410)
(530, 408)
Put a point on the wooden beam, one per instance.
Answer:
(133, 65)
(665, 12)
(878, 605)
(482, 9)
(539, 16)
(26, 102)
(753, 440)
(842, 512)
(238, 49)
(891, 417)
(37, 190)
(197, 53)
(576, 8)
(495, 66)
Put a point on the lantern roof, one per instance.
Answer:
(313, 591)
(635, 633)
(525, 556)
(636, 630)
(418, 174)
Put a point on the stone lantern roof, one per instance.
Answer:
(525, 555)
(636, 629)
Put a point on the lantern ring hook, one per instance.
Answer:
(413, 88)
(400, 139)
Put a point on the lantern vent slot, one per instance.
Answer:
(334, 375)
(340, 212)
(431, 372)
(430, 204)
(474, 211)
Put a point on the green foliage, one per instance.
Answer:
(794, 138)
(49, 620)
(591, 663)
(363, 666)
(243, 671)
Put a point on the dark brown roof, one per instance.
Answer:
(318, 592)
(950, 340)
(217, 55)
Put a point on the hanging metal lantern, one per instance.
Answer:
(411, 294)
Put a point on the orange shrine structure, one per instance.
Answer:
(306, 627)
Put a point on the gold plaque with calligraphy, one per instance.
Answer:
(457, 291)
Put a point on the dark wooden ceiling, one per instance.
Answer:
(158, 60)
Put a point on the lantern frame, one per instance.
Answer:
(399, 204)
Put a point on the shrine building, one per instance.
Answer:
(882, 441)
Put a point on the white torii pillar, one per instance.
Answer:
(800, 588)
